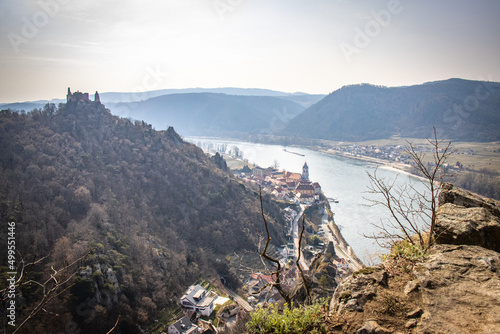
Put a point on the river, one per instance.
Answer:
(341, 178)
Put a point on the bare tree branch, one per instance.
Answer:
(412, 211)
(277, 283)
(116, 324)
(306, 285)
(52, 288)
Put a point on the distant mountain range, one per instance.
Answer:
(209, 114)
(108, 98)
(458, 109)
(203, 112)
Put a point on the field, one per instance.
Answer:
(473, 155)
(236, 164)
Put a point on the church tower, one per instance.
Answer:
(305, 172)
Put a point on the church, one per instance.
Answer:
(306, 190)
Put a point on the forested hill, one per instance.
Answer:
(459, 109)
(157, 212)
(209, 114)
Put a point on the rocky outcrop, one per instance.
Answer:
(320, 280)
(464, 218)
(358, 289)
(458, 196)
(105, 282)
(174, 136)
(321, 266)
(219, 161)
(455, 288)
(460, 290)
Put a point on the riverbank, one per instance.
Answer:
(396, 167)
(342, 248)
(400, 167)
(341, 178)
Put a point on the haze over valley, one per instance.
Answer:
(250, 167)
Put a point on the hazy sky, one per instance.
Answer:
(313, 46)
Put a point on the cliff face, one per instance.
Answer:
(455, 289)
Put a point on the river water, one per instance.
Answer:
(343, 179)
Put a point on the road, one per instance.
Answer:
(240, 301)
(340, 251)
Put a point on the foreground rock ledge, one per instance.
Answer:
(460, 290)
(455, 289)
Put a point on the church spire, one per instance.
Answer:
(305, 172)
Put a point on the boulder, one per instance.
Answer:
(458, 196)
(458, 225)
(464, 218)
(353, 293)
(372, 327)
(410, 287)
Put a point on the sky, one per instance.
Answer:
(313, 46)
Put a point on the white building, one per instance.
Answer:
(183, 326)
(199, 300)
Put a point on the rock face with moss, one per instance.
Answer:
(455, 288)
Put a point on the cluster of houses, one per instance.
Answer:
(393, 153)
(285, 185)
(396, 153)
(196, 300)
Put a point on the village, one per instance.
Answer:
(206, 308)
(394, 154)
(285, 185)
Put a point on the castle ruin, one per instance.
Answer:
(81, 97)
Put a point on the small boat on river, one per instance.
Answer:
(302, 155)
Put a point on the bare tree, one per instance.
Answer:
(276, 164)
(279, 268)
(413, 212)
(277, 273)
(236, 152)
(58, 282)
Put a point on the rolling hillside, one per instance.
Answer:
(155, 211)
(459, 109)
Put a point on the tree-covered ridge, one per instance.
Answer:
(156, 211)
(209, 114)
(460, 110)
